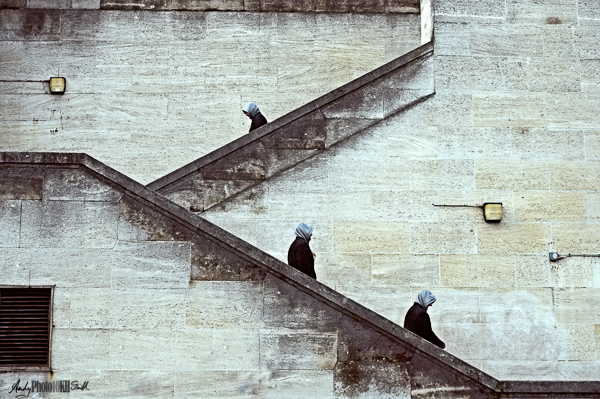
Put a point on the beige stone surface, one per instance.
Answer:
(15, 266)
(224, 304)
(577, 341)
(504, 305)
(538, 271)
(76, 268)
(370, 236)
(532, 143)
(337, 269)
(407, 205)
(573, 110)
(509, 109)
(390, 301)
(80, 349)
(162, 349)
(10, 224)
(592, 144)
(544, 74)
(443, 237)
(575, 238)
(453, 305)
(61, 309)
(511, 174)
(507, 40)
(474, 143)
(477, 270)
(470, 73)
(522, 370)
(406, 270)
(513, 238)
(294, 348)
(569, 309)
(236, 349)
(544, 206)
(578, 370)
(575, 175)
(442, 174)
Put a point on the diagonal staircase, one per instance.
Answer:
(302, 133)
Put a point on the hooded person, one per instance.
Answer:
(299, 255)
(417, 320)
(251, 110)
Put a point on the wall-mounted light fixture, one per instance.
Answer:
(58, 85)
(492, 211)
(554, 256)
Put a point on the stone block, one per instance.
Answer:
(470, 73)
(278, 235)
(61, 309)
(354, 380)
(443, 237)
(532, 12)
(572, 110)
(406, 270)
(593, 205)
(86, 4)
(90, 308)
(296, 348)
(286, 306)
(10, 224)
(505, 305)
(151, 265)
(509, 109)
(507, 40)
(349, 169)
(477, 270)
(544, 206)
(485, 9)
(76, 185)
(590, 76)
(473, 197)
(372, 237)
(72, 268)
(511, 174)
(69, 224)
(585, 38)
(513, 238)
(559, 41)
(577, 341)
(224, 304)
(15, 266)
(404, 205)
(575, 238)
(568, 305)
(340, 269)
(452, 38)
(448, 108)
(148, 309)
(9, 102)
(80, 349)
(474, 143)
(521, 370)
(574, 175)
(20, 25)
(211, 262)
(442, 174)
(578, 371)
(20, 184)
(538, 271)
(566, 144)
(390, 301)
(270, 384)
(544, 74)
(339, 51)
(588, 9)
(162, 349)
(407, 143)
(236, 349)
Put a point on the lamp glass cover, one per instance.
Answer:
(492, 212)
(57, 85)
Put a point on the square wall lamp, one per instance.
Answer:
(58, 85)
(492, 212)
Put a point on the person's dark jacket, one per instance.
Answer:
(300, 257)
(417, 320)
(258, 121)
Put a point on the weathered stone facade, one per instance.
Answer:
(152, 300)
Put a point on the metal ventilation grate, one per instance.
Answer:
(24, 326)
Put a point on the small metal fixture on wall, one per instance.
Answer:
(555, 256)
(57, 85)
(492, 211)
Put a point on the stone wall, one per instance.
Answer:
(151, 300)
(515, 120)
(148, 92)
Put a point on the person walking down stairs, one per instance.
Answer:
(299, 255)
(251, 110)
(417, 320)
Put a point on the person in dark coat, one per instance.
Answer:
(417, 320)
(300, 256)
(251, 110)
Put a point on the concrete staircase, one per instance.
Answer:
(302, 133)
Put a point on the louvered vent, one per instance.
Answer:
(24, 326)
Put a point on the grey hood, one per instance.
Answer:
(304, 231)
(251, 109)
(425, 298)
